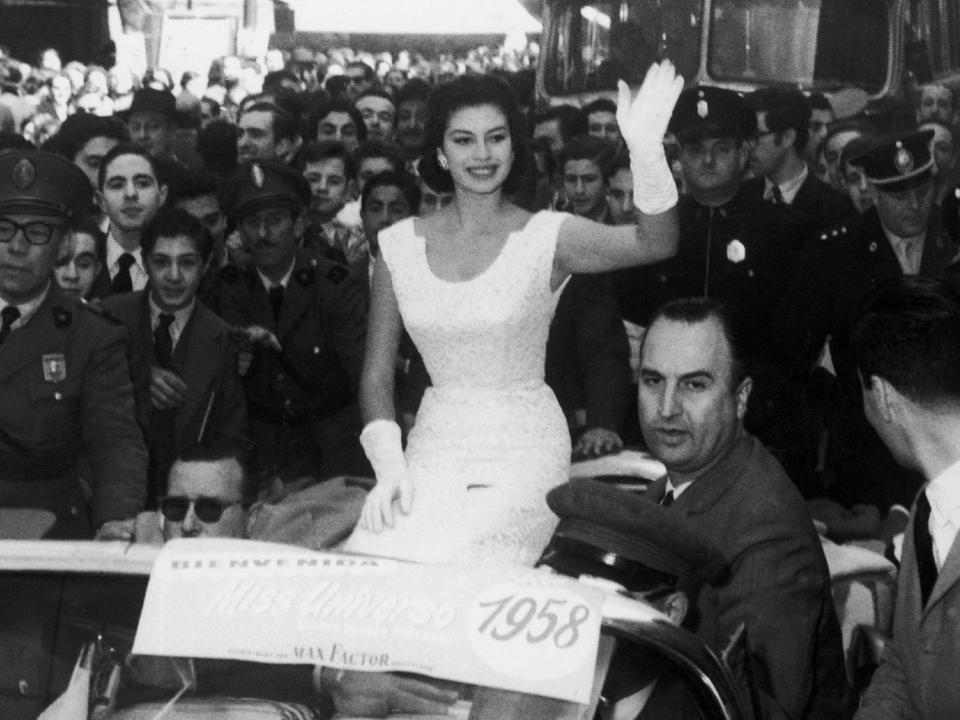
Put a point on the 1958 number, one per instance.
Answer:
(549, 619)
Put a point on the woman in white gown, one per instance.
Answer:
(476, 286)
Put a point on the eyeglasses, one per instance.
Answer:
(355, 79)
(36, 232)
(208, 509)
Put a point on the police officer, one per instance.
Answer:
(306, 316)
(64, 380)
(733, 247)
(900, 235)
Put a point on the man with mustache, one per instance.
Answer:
(131, 191)
(305, 317)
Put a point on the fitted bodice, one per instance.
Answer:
(488, 332)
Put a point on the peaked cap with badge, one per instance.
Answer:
(899, 161)
(259, 184)
(711, 112)
(41, 183)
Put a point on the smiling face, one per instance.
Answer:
(478, 148)
(271, 234)
(176, 268)
(690, 413)
(131, 194)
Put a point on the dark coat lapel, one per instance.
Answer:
(39, 336)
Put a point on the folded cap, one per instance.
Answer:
(898, 161)
(634, 530)
(32, 181)
(263, 183)
(711, 112)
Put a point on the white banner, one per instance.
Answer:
(513, 628)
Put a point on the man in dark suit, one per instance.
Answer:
(306, 317)
(186, 371)
(64, 379)
(906, 346)
(694, 390)
(780, 170)
(898, 236)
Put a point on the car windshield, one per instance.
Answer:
(813, 44)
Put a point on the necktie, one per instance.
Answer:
(122, 282)
(9, 315)
(276, 300)
(776, 197)
(667, 499)
(905, 254)
(923, 547)
(163, 341)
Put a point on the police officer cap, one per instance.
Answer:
(259, 184)
(36, 182)
(899, 161)
(628, 529)
(156, 101)
(711, 112)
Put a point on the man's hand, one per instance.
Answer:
(371, 694)
(167, 390)
(596, 442)
(255, 335)
(117, 530)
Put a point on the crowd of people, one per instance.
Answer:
(228, 293)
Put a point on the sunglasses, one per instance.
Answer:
(208, 510)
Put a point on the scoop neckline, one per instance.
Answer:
(487, 270)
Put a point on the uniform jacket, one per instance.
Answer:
(322, 328)
(778, 583)
(66, 387)
(588, 364)
(918, 672)
(205, 358)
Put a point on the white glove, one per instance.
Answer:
(381, 442)
(643, 123)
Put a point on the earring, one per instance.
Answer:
(442, 159)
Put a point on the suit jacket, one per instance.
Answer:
(778, 583)
(322, 328)
(205, 359)
(587, 362)
(918, 672)
(65, 388)
(819, 205)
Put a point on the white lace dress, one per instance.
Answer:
(490, 439)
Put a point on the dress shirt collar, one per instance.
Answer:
(27, 309)
(943, 492)
(180, 317)
(285, 280)
(788, 189)
(137, 270)
(915, 245)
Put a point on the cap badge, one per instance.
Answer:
(702, 108)
(903, 159)
(257, 177)
(24, 173)
(736, 252)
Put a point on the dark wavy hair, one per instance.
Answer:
(472, 91)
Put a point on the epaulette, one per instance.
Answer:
(832, 233)
(337, 274)
(305, 276)
(92, 306)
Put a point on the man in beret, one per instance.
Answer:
(734, 247)
(307, 318)
(695, 385)
(152, 121)
(64, 377)
(898, 236)
(654, 555)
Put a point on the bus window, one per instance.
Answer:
(823, 44)
(596, 42)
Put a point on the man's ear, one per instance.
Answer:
(100, 202)
(788, 137)
(299, 223)
(743, 396)
(164, 190)
(675, 607)
(883, 396)
(745, 149)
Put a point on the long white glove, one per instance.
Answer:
(643, 123)
(382, 444)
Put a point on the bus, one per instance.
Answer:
(880, 50)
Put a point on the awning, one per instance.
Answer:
(413, 17)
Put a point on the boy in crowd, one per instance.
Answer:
(328, 168)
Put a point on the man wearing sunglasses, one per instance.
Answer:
(208, 493)
(64, 380)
